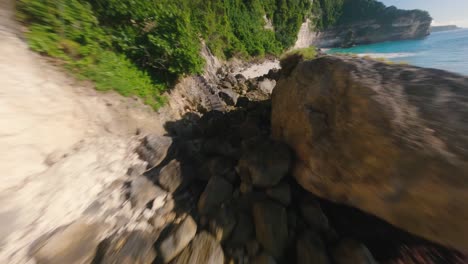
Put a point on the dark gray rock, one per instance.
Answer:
(154, 149)
(314, 216)
(216, 167)
(171, 245)
(271, 226)
(127, 248)
(266, 163)
(240, 78)
(216, 192)
(352, 252)
(220, 146)
(280, 193)
(244, 230)
(142, 191)
(265, 259)
(229, 96)
(173, 176)
(310, 249)
(226, 85)
(231, 78)
(222, 225)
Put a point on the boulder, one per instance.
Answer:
(314, 216)
(266, 163)
(352, 252)
(311, 249)
(391, 140)
(142, 191)
(222, 224)
(127, 248)
(173, 176)
(229, 96)
(271, 226)
(240, 78)
(154, 149)
(75, 244)
(216, 166)
(216, 192)
(280, 193)
(203, 249)
(263, 259)
(243, 231)
(171, 245)
(266, 85)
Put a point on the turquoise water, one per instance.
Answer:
(446, 50)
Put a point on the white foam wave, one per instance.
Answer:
(386, 55)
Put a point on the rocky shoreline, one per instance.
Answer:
(218, 189)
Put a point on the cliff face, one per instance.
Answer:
(357, 26)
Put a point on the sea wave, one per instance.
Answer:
(387, 55)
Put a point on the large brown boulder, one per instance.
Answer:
(389, 139)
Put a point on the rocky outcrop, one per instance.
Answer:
(390, 140)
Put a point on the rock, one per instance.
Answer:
(252, 247)
(243, 102)
(222, 225)
(173, 176)
(177, 240)
(352, 252)
(310, 249)
(388, 139)
(154, 149)
(229, 96)
(280, 193)
(127, 248)
(267, 86)
(75, 244)
(271, 226)
(264, 259)
(231, 78)
(219, 146)
(314, 216)
(136, 170)
(226, 85)
(216, 167)
(266, 164)
(216, 192)
(240, 78)
(142, 191)
(243, 231)
(203, 249)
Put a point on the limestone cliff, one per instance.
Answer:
(360, 24)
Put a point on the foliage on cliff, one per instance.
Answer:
(157, 39)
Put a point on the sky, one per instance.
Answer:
(446, 12)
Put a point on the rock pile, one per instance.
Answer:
(217, 190)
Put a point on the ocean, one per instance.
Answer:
(447, 50)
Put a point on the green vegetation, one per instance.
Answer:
(290, 59)
(138, 47)
(306, 53)
(69, 31)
